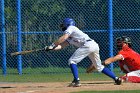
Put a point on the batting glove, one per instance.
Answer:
(51, 47)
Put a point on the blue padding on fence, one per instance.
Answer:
(2, 22)
(19, 39)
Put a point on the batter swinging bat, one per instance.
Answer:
(26, 52)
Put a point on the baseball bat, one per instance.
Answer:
(26, 52)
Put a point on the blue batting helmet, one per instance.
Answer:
(68, 22)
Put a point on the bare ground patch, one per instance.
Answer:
(61, 87)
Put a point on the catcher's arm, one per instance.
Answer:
(112, 59)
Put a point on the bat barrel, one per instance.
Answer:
(26, 52)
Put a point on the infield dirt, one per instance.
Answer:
(61, 87)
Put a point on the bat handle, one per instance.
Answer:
(40, 49)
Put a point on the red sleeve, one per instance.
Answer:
(124, 54)
(121, 63)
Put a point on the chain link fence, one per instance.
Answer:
(40, 20)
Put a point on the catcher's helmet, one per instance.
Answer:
(121, 40)
(66, 23)
(124, 39)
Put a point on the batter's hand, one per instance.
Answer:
(90, 69)
(48, 48)
(51, 47)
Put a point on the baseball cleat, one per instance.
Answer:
(75, 83)
(118, 81)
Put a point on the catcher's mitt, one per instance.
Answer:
(90, 69)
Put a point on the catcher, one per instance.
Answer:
(129, 60)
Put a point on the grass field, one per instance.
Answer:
(62, 77)
(50, 75)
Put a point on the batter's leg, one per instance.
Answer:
(95, 58)
(77, 56)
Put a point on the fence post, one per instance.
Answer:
(2, 29)
(19, 35)
(110, 21)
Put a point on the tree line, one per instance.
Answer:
(46, 15)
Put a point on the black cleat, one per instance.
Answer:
(75, 83)
(118, 81)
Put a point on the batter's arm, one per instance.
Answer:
(62, 45)
(61, 39)
(112, 59)
(58, 44)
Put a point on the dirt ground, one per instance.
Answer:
(61, 87)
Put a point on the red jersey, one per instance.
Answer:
(131, 60)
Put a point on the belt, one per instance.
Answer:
(88, 40)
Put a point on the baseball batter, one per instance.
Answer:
(85, 47)
(129, 60)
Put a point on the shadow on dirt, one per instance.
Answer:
(99, 83)
(5, 87)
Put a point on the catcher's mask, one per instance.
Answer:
(66, 23)
(121, 40)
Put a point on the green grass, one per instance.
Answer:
(49, 74)
(117, 91)
(62, 77)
